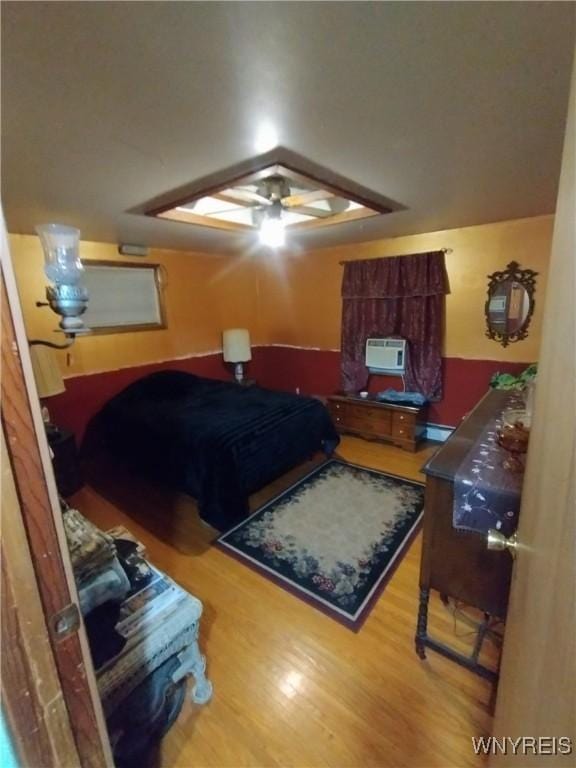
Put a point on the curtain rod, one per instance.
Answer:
(350, 261)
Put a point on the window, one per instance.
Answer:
(123, 297)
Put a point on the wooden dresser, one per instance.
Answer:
(403, 425)
(457, 563)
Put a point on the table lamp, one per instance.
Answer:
(236, 349)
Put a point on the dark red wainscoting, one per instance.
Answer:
(318, 372)
(86, 395)
(311, 371)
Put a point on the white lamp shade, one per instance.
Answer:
(46, 371)
(236, 345)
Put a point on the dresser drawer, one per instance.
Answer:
(337, 411)
(403, 425)
(366, 426)
(362, 412)
(377, 420)
(363, 418)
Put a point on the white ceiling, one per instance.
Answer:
(455, 110)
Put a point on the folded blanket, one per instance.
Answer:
(393, 396)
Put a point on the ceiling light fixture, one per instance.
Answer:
(240, 198)
(272, 231)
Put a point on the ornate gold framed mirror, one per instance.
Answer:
(510, 303)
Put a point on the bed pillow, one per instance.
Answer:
(164, 385)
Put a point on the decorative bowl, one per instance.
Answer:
(517, 418)
(514, 437)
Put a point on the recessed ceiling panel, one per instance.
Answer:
(280, 183)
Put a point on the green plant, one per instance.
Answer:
(509, 381)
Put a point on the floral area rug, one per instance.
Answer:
(333, 537)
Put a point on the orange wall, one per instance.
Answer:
(300, 302)
(203, 295)
(291, 299)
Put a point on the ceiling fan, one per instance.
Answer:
(279, 189)
(274, 195)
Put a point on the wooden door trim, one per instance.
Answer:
(30, 684)
(34, 479)
(536, 697)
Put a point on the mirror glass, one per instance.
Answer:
(508, 308)
(510, 303)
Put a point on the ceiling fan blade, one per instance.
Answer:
(306, 197)
(307, 210)
(242, 197)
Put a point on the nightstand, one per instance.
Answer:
(66, 462)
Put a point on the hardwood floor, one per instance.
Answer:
(292, 687)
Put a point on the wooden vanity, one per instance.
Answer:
(454, 562)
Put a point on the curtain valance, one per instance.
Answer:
(395, 277)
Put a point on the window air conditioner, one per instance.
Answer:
(386, 356)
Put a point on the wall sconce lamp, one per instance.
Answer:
(236, 349)
(67, 296)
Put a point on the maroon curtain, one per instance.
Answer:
(401, 296)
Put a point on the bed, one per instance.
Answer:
(216, 441)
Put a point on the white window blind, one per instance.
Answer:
(122, 298)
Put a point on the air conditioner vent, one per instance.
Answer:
(386, 356)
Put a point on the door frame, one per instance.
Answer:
(46, 562)
(536, 700)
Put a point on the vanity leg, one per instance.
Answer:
(422, 623)
(480, 635)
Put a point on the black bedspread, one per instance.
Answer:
(214, 440)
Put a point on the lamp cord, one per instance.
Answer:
(40, 342)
